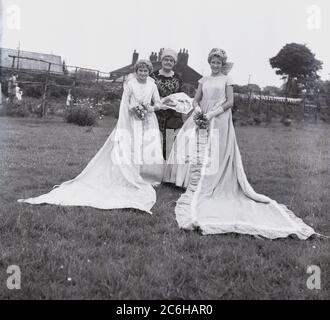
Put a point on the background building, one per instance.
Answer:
(187, 74)
(7, 62)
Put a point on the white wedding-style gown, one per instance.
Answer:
(123, 172)
(218, 197)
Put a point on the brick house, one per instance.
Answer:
(188, 75)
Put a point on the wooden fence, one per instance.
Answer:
(71, 73)
(249, 105)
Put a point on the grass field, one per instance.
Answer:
(85, 253)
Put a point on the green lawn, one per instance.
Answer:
(127, 254)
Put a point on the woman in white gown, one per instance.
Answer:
(123, 172)
(218, 197)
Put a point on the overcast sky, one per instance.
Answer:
(102, 34)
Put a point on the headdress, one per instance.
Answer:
(226, 66)
(169, 52)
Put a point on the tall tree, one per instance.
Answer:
(297, 64)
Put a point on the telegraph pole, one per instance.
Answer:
(249, 96)
(18, 53)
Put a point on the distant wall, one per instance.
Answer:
(28, 64)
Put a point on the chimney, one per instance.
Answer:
(153, 57)
(160, 54)
(183, 57)
(135, 57)
(186, 57)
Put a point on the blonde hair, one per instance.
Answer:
(143, 63)
(219, 53)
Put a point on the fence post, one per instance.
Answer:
(13, 63)
(302, 110)
(268, 116)
(1, 99)
(44, 96)
(97, 88)
(249, 104)
(73, 91)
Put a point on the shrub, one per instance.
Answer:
(110, 108)
(34, 91)
(16, 110)
(81, 114)
(27, 107)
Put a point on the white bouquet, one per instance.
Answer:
(179, 102)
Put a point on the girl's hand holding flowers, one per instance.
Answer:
(201, 120)
(209, 115)
(197, 109)
(150, 108)
(215, 113)
(141, 111)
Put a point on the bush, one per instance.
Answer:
(27, 107)
(33, 91)
(110, 108)
(15, 110)
(82, 115)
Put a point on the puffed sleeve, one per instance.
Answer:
(229, 81)
(201, 81)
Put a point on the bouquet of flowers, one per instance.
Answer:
(201, 121)
(141, 111)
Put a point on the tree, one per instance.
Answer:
(327, 92)
(297, 64)
(241, 89)
(254, 88)
(247, 88)
(272, 91)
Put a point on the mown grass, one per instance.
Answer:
(127, 254)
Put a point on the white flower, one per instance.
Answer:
(69, 279)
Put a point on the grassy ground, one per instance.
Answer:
(126, 254)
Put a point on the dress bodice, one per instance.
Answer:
(214, 90)
(141, 92)
(167, 85)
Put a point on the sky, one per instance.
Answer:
(102, 34)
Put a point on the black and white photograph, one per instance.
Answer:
(164, 150)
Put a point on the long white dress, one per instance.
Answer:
(219, 198)
(123, 172)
